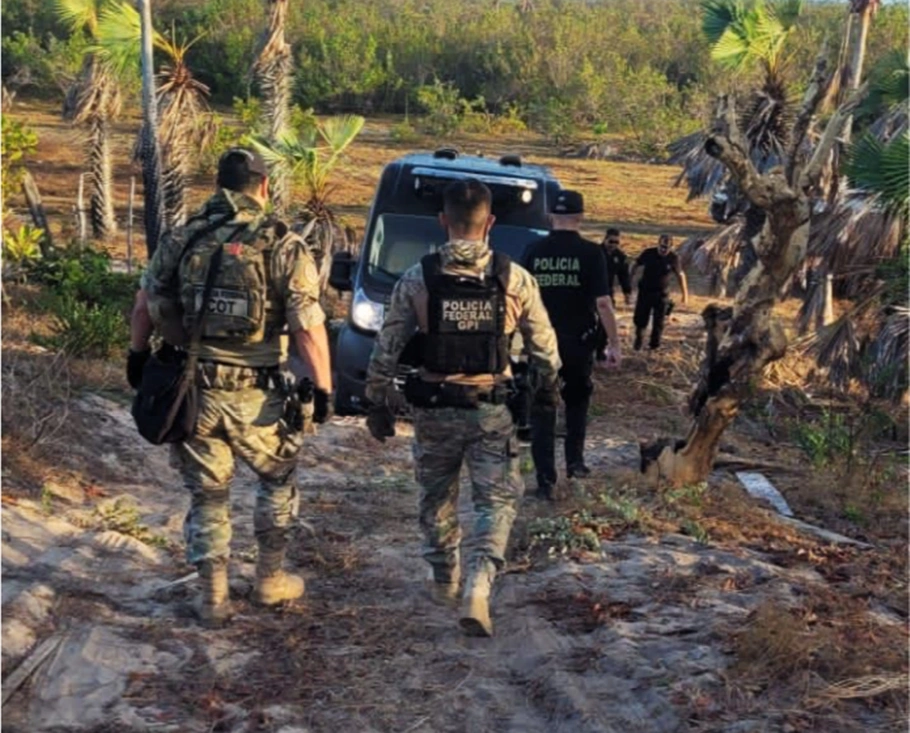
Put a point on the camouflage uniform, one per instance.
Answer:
(241, 399)
(445, 437)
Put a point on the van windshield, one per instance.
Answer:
(400, 240)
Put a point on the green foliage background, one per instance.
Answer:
(623, 66)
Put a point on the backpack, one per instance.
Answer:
(240, 297)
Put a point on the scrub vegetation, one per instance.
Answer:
(595, 91)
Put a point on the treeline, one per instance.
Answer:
(558, 66)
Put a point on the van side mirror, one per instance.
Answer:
(341, 270)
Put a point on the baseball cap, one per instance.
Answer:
(569, 202)
(235, 157)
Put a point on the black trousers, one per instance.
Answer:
(648, 305)
(576, 394)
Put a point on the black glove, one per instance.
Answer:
(546, 397)
(322, 406)
(135, 363)
(381, 423)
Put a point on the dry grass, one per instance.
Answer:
(815, 653)
(637, 197)
(39, 387)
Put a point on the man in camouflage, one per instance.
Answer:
(242, 394)
(464, 304)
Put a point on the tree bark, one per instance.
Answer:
(150, 150)
(101, 203)
(274, 72)
(742, 340)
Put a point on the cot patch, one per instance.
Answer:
(225, 302)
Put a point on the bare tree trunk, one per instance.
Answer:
(274, 72)
(80, 211)
(858, 57)
(151, 154)
(744, 339)
(101, 205)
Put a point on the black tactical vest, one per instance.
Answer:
(466, 319)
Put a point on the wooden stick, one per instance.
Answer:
(80, 210)
(36, 209)
(29, 665)
(129, 227)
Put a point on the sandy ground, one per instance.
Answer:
(632, 635)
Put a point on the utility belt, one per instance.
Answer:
(227, 377)
(420, 393)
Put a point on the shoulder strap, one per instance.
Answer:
(200, 233)
(502, 265)
(432, 267)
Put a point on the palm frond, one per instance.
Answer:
(78, 15)
(787, 12)
(718, 16)
(838, 350)
(882, 169)
(339, 132)
(888, 371)
(731, 49)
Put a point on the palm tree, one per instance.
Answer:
(743, 37)
(862, 241)
(94, 99)
(310, 156)
(274, 72)
(183, 127)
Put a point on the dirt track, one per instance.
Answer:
(634, 637)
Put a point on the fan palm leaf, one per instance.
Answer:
(882, 169)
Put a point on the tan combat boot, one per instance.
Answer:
(443, 584)
(273, 585)
(214, 607)
(475, 610)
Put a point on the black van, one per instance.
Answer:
(403, 226)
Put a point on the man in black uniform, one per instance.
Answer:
(617, 264)
(653, 289)
(572, 280)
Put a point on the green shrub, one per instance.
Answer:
(84, 329)
(442, 103)
(824, 441)
(22, 246)
(404, 132)
(87, 301)
(17, 142)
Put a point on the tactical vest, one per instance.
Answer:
(466, 319)
(242, 307)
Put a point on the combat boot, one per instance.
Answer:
(475, 610)
(214, 606)
(273, 585)
(443, 583)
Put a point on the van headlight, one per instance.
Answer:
(365, 313)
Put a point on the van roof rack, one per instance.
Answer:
(446, 153)
(514, 160)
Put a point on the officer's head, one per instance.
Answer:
(244, 171)
(466, 207)
(664, 243)
(568, 210)
(611, 239)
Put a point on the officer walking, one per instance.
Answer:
(264, 278)
(656, 264)
(573, 283)
(617, 264)
(463, 303)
